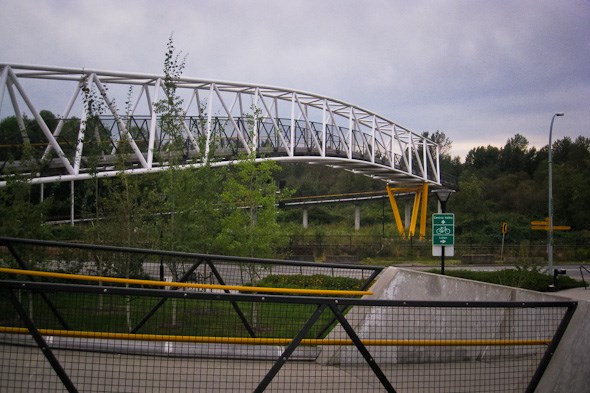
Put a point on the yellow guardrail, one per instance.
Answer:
(132, 281)
(274, 341)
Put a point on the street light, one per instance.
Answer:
(443, 196)
(550, 199)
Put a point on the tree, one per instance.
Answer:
(484, 160)
(515, 156)
(571, 182)
(22, 216)
(442, 140)
(169, 108)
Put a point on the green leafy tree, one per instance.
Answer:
(249, 225)
(485, 159)
(22, 215)
(169, 108)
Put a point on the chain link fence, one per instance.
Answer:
(213, 328)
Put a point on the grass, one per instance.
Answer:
(192, 317)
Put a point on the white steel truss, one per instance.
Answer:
(220, 121)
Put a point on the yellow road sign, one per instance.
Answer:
(504, 228)
(546, 227)
(539, 223)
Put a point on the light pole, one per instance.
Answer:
(550, 200)
(443, 196)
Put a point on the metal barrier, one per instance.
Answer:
(239, 338)
(582, 274)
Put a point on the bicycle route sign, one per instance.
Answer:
(443, 229)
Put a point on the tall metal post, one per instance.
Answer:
(550, 199)
(443, 209)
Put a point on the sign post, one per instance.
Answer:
(504, 232)
(443, 233)
(443, 236)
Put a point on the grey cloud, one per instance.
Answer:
(480, 71)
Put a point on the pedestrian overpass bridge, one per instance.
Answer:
(119, 122)
(127, 123)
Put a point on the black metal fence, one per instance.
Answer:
(334, 247)
(83, 333)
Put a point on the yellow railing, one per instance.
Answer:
(131, 281)
(274, 341)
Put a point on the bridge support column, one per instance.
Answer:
(357, 217)
(420, 203)
(408, 215)
(305, 217)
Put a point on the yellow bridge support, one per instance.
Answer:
(420, 205)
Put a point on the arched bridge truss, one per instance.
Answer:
(111, 115)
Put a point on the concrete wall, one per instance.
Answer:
(569, 370)
(402, 284)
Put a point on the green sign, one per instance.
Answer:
(443, 229)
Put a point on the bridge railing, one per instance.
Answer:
(80, 332)
(101, 148)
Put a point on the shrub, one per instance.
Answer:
(316, 281)
(526, 278)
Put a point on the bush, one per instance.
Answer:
(316, 281)
(524, 278)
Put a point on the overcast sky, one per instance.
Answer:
(480, 71)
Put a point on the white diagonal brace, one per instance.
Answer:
(335, 124)
(233, 121)
(3, 79)
(119, 121)
(274, 122)
(418, 158)
(308, 125)
(66, 114)
(19, 116)
(42, 124)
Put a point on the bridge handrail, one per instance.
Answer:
(582, 274)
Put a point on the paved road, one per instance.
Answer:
(26, 370)
(233, 274)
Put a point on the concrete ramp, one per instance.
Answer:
(404, 284)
